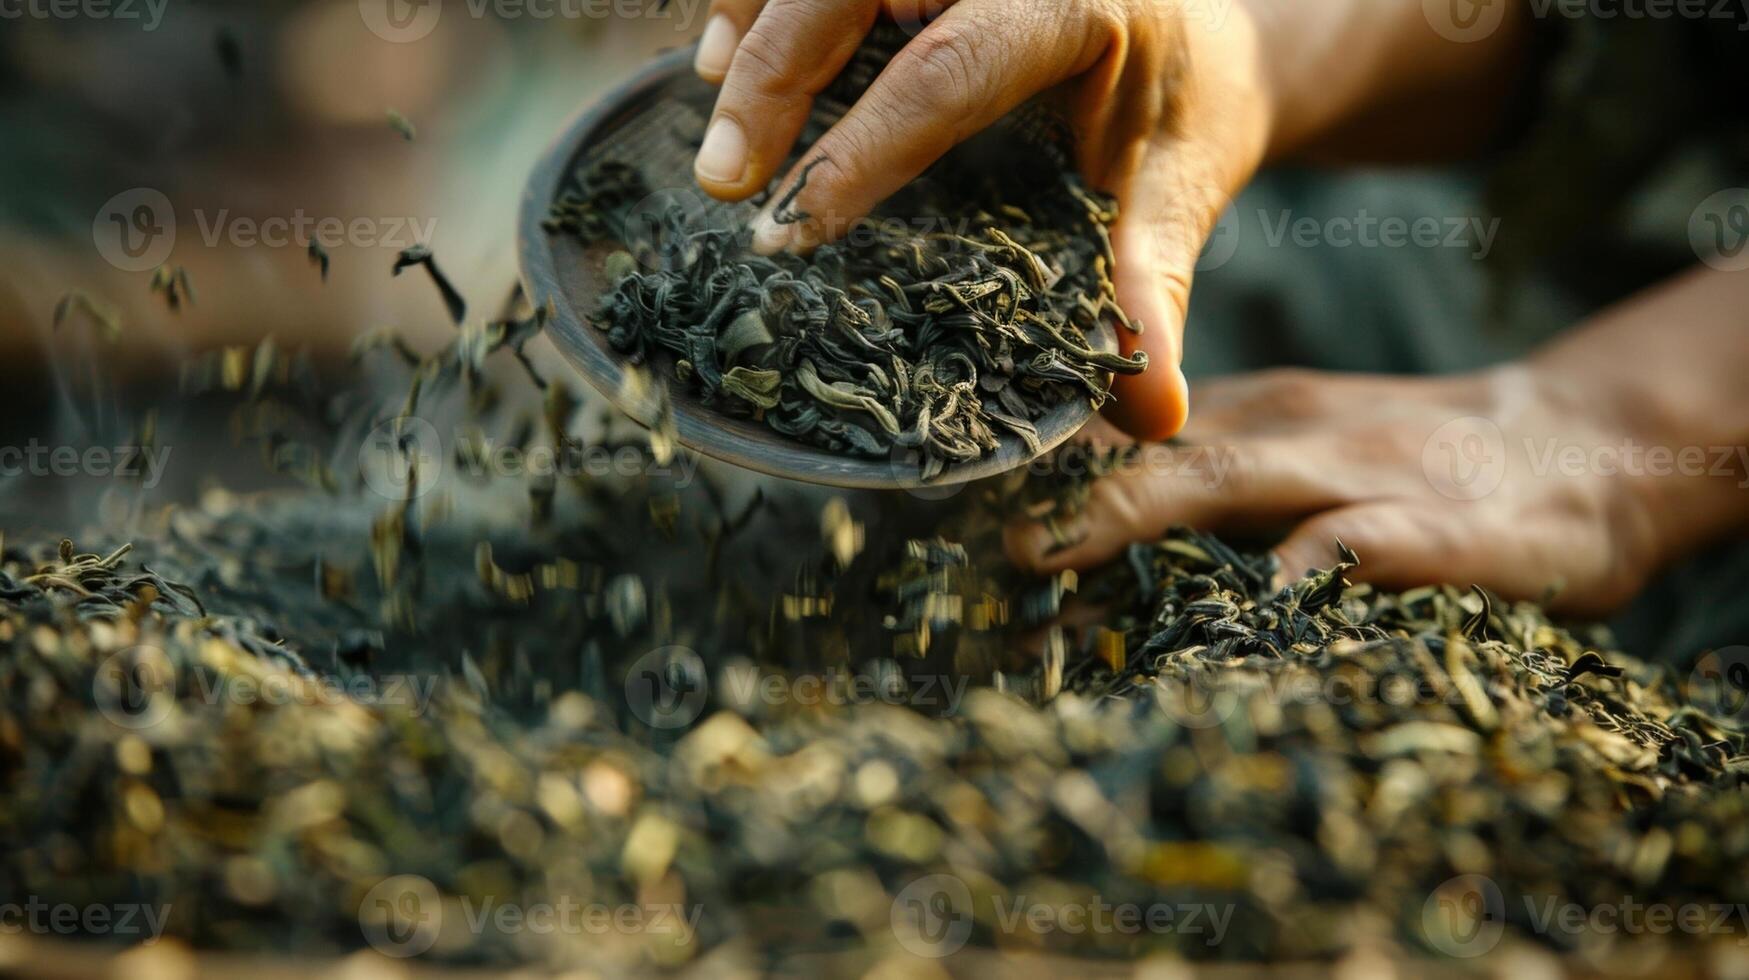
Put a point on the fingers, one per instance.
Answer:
(729, 22)
(964, 71)
(1238, 486)
(793, 51)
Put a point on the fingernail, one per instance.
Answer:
(716, 48)
(723, 157)
(769, 237)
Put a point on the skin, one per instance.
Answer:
(1176, 106)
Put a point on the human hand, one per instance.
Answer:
(1428, 480)
(1171, 111)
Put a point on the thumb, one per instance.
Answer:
(1158, 239)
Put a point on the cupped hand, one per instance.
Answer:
(1466, 480)
(1169, 105)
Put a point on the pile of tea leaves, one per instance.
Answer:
(1265, 774)
(956, 317)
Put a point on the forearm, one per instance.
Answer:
(1358, 80)
(1668, 368)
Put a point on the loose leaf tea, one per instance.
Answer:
(107, 320)
(1312, 766)
(319, 257)
(175, 285)
(955, 318)
(402, 125)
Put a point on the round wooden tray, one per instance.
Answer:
(649, 121)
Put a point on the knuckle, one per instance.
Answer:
(941, 69)
(766, 60)
(844, 149)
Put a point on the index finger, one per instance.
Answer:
(967, 69)
(791, 53)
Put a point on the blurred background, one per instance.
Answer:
(221, 139)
